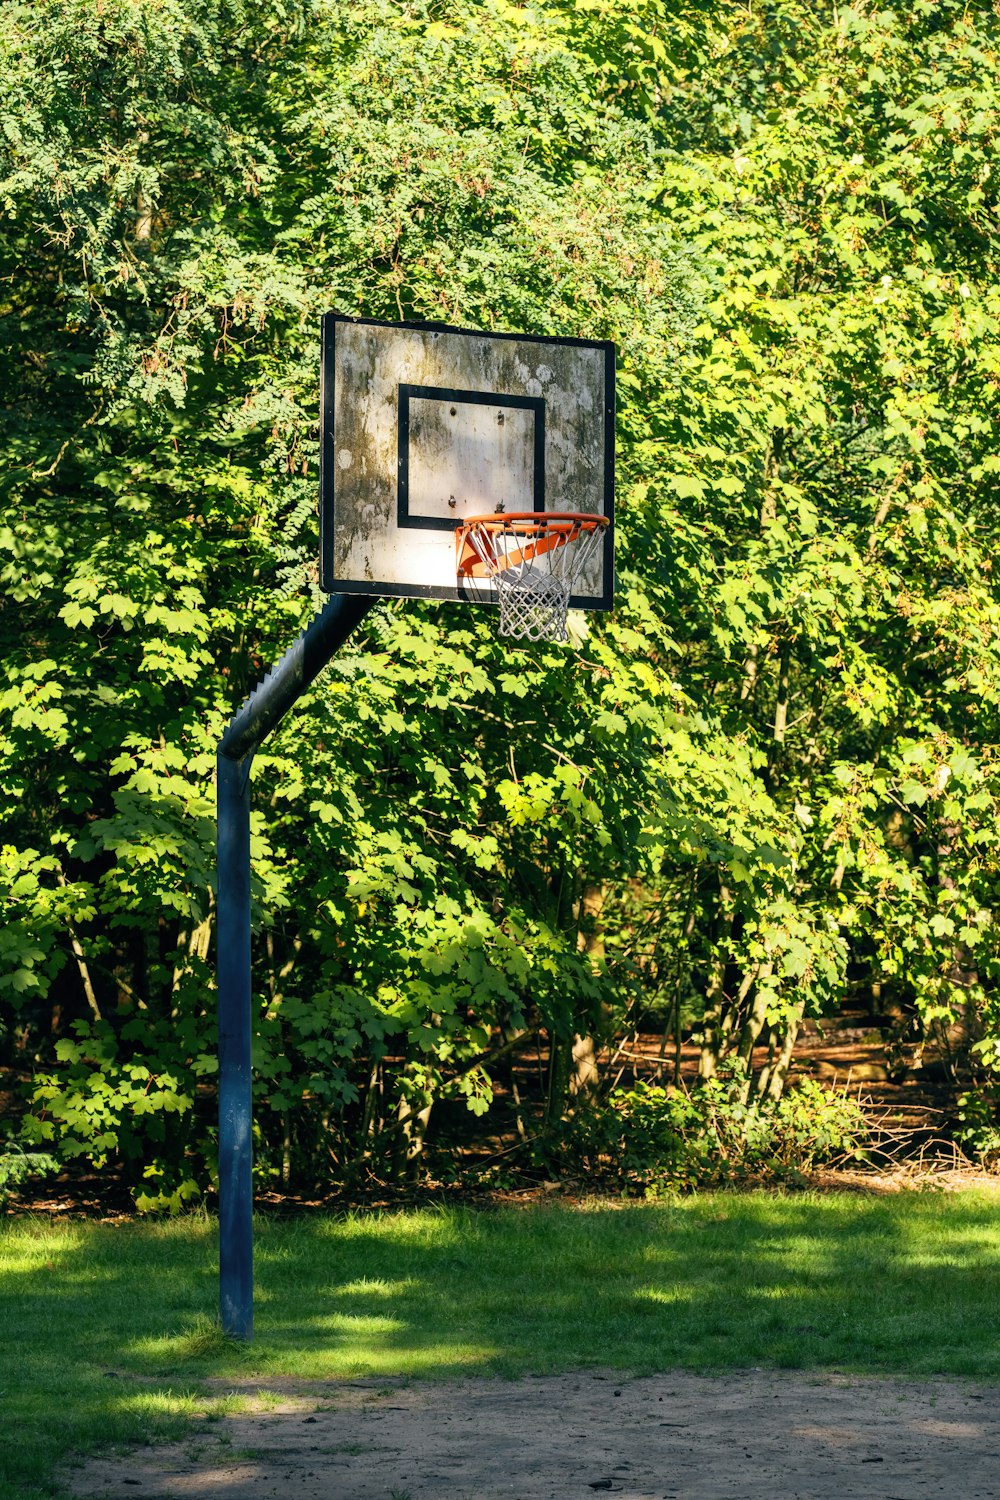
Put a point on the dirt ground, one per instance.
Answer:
(745, 1436)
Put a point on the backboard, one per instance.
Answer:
(426, 425)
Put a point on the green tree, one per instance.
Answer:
(185, 197)
(768, 776)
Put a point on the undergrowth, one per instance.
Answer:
(654, 1139)
(18, 1165)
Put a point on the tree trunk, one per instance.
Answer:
(560, 1059)
(413, 1113)
(963, 977)
(411, 1137)
(583, 1073)
(754, 1023)
(775, 1084)
(82, 966)
(717, 1020)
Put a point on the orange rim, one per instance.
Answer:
(554, 529)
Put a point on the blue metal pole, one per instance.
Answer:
(269, 702)
(235, 1099)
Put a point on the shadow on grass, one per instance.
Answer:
(909, 1286)
(111, 1330)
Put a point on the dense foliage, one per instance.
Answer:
(767, 779)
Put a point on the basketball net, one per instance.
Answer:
(534, 563)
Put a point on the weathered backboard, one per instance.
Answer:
(424, 425)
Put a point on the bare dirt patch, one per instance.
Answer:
(754, 1435)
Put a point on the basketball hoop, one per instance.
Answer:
(534, 562)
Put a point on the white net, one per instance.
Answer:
(534, 564)
(532, 607)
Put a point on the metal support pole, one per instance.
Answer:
(257, 717)
(235, 1101)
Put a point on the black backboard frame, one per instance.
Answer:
(334, 585)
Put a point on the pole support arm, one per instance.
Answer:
(265, 707)
(301, 663)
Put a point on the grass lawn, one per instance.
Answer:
(107, 1332)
